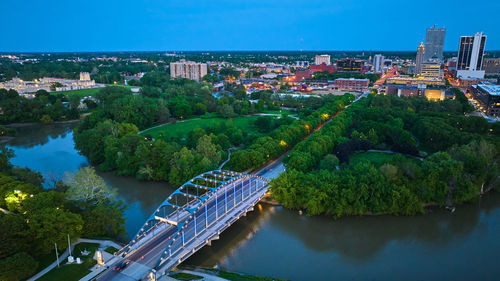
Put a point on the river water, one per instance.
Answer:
(273, 241)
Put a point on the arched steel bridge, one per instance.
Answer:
(192, 216)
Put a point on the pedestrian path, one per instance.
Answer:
(63, 257)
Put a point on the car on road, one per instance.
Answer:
(121, 265)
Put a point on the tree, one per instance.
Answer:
(17, 267)
(207, 149)
(226, 111)
(104, 220)
(74, 101)
(14, 235)
(329, 162)
(51, 225)
(163, 114)
(46, 119)
(264, 123)
(85, 185)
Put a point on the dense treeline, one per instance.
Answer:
(44, 107)
(465, 164)
(32, 218)
(325, 75)
(308, 153)
(105, 72)
(109, 136)
(285, 137)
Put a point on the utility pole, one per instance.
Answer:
(57, 255)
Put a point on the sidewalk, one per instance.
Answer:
(63, 258)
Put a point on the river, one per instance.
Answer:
(273, 241)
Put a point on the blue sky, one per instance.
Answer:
(130, 25)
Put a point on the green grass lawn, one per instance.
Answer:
(80, 93)
(111, 250)
(88, 92)
(376, 158)
(91, 247)
(69, 272)
(46, 260)
(185, 276)
(240, 277)
(181, 128)
(73, 271)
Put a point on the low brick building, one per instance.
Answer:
(352, 84)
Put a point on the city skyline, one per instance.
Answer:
(254, 26)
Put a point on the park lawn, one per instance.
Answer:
(79, 93)
(182, 128)
(185, 276)
(45, 260)
(111, 250)
(69, 272)
(241, 277)
(376, 158)
(88, 92)
(74, 271)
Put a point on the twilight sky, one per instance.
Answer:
(146, 25)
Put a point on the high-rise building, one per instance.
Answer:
(319, 59)
(378, 63)
(188, 69)
(420, 58)
(434, 43)
(470, 56)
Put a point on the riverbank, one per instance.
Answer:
(214, 274)
(18, 125)
(6, 139)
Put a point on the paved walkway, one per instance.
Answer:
(228, 158)
(63, 257)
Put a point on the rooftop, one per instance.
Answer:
(352, 79)
(490, 89)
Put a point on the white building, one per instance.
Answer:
(47, 84)
(378, 63)
(319, 59)
(188, 69)
(470, 56)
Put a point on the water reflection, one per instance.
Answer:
(280, 243)
(41, 134)
(142, 198)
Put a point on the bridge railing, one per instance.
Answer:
(227, 198)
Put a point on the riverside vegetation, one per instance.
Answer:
(33, 218)
(461, 159)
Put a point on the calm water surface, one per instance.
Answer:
(273, 241)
